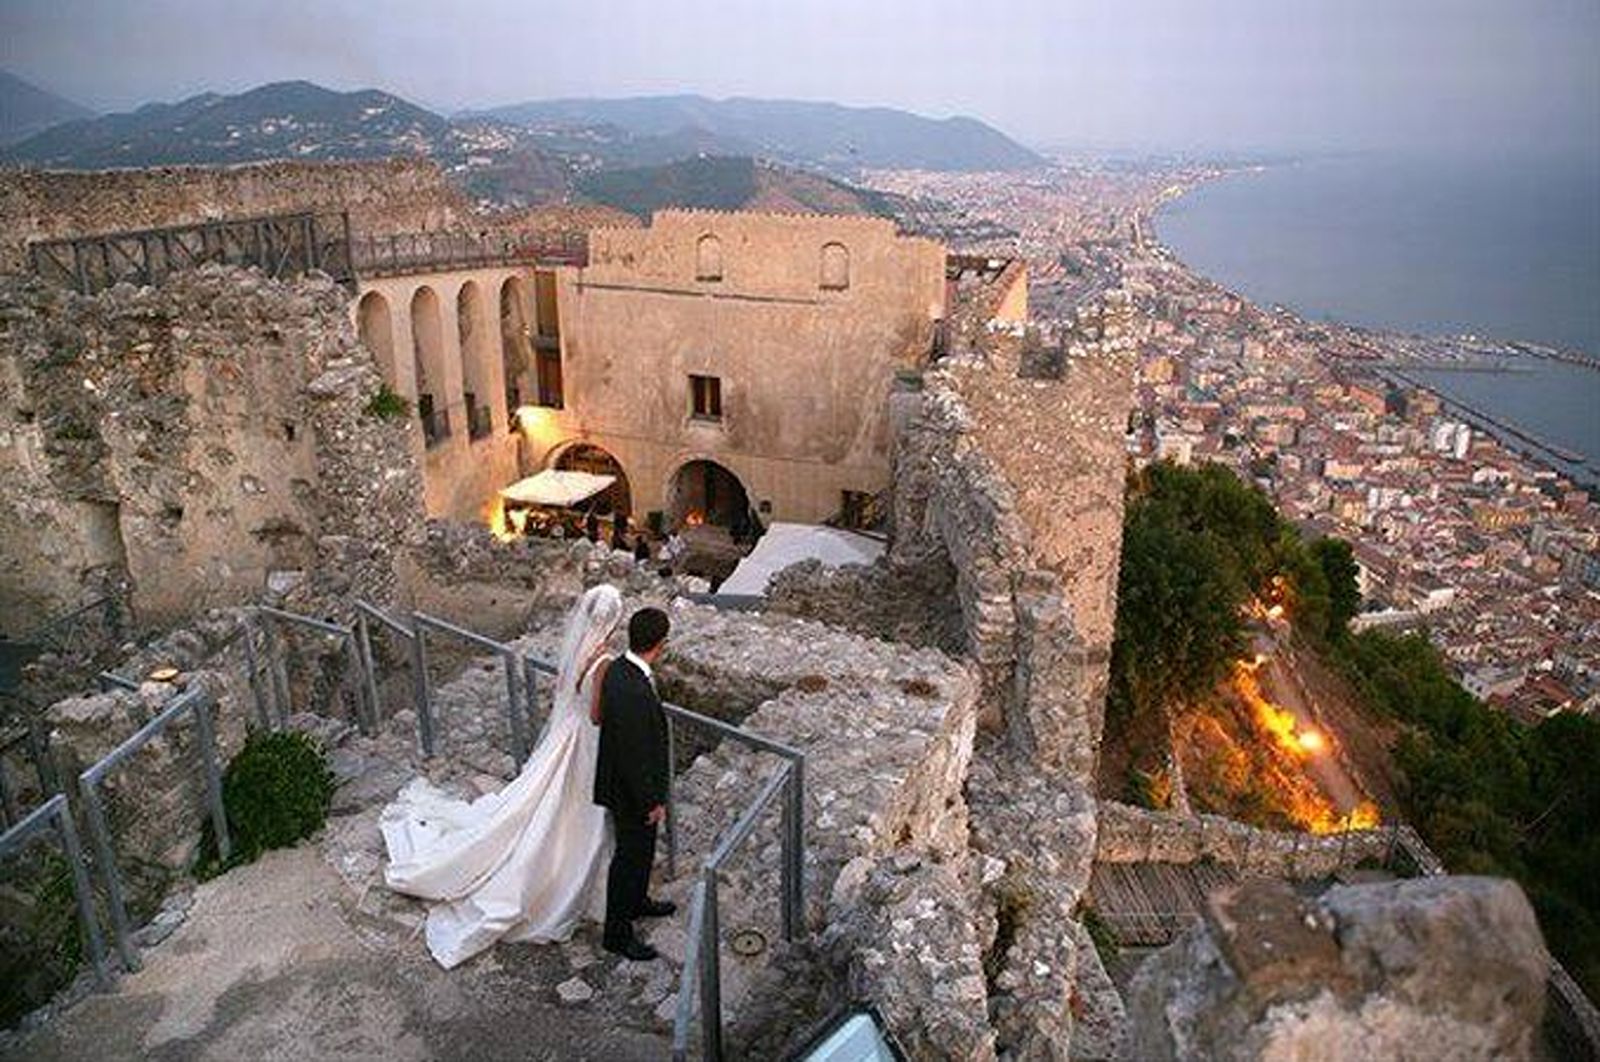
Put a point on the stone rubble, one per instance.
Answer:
(1427, 968)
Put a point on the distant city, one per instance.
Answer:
(1467, 526)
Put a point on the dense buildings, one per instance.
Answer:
(1492, 553)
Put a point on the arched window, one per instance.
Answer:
(835, 267)
(708, 258)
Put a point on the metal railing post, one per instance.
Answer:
(368, 668)
(80, 890)
(365, 715)
(710, 973)
(100, 835)
(420, 689)
(253, 667)
(794, 846)
(208, 757)
(519, 733)
(672, 804)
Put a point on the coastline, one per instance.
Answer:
(1582, 469)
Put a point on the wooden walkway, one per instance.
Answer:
(1148, 904)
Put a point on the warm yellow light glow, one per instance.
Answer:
(1299, 796)
(539, 428)
(1275, 612)
(494, 514)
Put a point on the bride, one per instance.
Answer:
(526, 863)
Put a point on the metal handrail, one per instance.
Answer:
(422, 621)
(56, 810)
(278, 677)
(365, 614)
(195, 700)
(38, 753)
(702, 961)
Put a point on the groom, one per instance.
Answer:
(630, 780)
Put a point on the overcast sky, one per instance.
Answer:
(1271, 74)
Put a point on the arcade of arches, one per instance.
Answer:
(806, 325)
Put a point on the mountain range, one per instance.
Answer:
(829, 136)
(635, 154)
(26, 109)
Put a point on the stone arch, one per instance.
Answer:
(428, 356)
(516, 345)
(477, 374)
(581, 456)
(835, 267)
(375, 326)
(708, 258)
(701, 490)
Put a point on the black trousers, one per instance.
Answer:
(628, 881)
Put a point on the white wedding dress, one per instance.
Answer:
(529, 862)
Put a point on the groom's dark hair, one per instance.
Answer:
(647, 629)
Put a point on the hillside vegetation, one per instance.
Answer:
(1200, 551)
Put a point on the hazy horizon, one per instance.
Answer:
(1239, 75)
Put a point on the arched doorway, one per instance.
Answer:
(516, 346)
(427, 338)
(704, 492)
(376, 330)
(476, 372)
(586, 457)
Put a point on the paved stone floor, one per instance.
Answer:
(278, 960)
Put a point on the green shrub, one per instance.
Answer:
(387, 405)
(1105, 940)
(276, 792)
(41, 943)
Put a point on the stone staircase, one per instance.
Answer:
(886, 732)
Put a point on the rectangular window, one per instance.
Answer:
(706, 393)
(548, 366)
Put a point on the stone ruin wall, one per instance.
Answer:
(1129, 834)
(1018, 482)
(189, 440)
(390, 195)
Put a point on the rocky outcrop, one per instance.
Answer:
(1434, 968)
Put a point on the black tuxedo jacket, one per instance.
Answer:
(630, 776)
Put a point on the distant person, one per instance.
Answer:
(641, 549)
(591, 527)
(619, 536)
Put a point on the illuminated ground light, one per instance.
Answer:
(1312, 741)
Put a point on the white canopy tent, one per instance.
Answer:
(786, 544)
(557, 488)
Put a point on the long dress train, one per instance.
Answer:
(524, 864)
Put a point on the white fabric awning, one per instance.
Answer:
(557, 488)
(786, 544)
